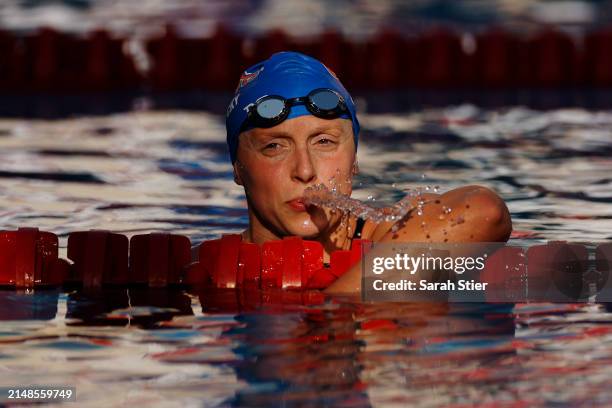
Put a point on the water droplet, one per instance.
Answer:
(321, 196)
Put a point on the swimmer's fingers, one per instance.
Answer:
(325, 217)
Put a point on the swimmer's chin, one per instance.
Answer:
(311, 233)
(308, 225)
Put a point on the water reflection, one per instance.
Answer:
(121, 306)
(275, 348)
(330, 351)
(25, 306)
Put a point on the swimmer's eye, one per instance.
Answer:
(271, 146)
(325, 141)
(273, 149)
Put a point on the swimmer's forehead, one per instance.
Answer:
(303, 126)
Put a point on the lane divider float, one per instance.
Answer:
(98, 258)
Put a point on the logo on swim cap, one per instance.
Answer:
(248, 77)
(232, 105)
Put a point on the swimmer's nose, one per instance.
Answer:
(303, 168)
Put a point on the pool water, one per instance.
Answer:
(146, 171)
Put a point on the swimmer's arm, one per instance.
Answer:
(477, 215)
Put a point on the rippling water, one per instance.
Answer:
(168, 171)
(362, 18)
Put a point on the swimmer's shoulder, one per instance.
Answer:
(374, 231)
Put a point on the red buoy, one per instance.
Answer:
(598, 58)
(385, 59)
(165, 53)
(45, 59)
(100, 257)
(496, 56)
(29, 258)
(439, 56)
(98, 62)
(551, 57)
(158, 259)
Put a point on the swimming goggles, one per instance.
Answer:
(270, 110)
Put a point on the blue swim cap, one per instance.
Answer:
(287, 74)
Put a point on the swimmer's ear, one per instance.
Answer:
(237, 178)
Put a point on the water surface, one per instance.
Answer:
(168, 171)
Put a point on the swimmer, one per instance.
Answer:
(291, 125)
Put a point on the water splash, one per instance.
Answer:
(321, 196)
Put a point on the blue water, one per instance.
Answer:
(139, 172)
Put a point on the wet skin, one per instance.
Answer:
(275, 166)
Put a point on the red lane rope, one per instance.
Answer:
(29, 258)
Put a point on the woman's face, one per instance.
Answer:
(275, 166)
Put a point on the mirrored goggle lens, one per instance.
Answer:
(325, 100)
(270, 108)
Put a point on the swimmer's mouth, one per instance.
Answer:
(297, 204)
